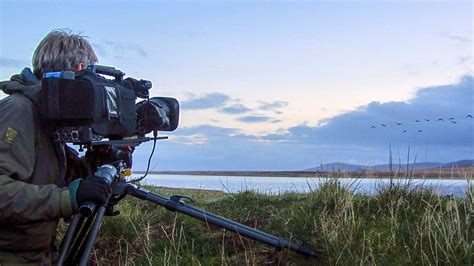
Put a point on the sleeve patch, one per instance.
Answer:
(10, 135)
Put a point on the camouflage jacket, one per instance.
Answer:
(33, 192)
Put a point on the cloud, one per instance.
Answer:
(100, 49)
(458, 38)
(272, 106)
(404, 122)
(466, 60)
(224, 149)
(12, 63)
(210, 100)
(229, 149)
(192, 139)
(344, 138)
(118, 49)
(254, 118)
(411, 69)
(208, 130)
(235, 109)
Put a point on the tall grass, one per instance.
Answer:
(400, 225)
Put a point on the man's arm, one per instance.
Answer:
(21, 202)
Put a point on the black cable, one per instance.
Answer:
(155, 136)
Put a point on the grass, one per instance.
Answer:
(401, 225)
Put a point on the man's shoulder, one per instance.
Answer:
(16, 103)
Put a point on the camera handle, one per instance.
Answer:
(106, 70)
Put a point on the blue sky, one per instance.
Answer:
(282, 85)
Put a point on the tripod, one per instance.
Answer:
(84, 227)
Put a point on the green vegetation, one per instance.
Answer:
(399, 226)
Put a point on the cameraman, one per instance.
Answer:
(37, 186)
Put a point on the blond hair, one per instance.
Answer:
(61, 50)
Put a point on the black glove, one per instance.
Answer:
(93, 189)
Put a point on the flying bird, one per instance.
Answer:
(382, 125)
(372, 127)
(404, 131)
(451, 118)
(420, 130)
(468, 116)
(440, 119)
(398, 124)
(454, 122)
(417, 121)
(427, 120)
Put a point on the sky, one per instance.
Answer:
(280, 85)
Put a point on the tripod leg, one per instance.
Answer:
(86, 252)
(79, 241)
(77, 220)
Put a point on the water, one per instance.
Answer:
(278, 185)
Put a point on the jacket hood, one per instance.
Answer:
(24, 83)
(26, 77)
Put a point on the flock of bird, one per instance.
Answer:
(451, 119)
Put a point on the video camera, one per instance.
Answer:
(86, 107)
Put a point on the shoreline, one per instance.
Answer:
(454, 174)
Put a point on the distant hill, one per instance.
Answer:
(333, 167)
(462, 163)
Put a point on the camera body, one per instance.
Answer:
(85, 106)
